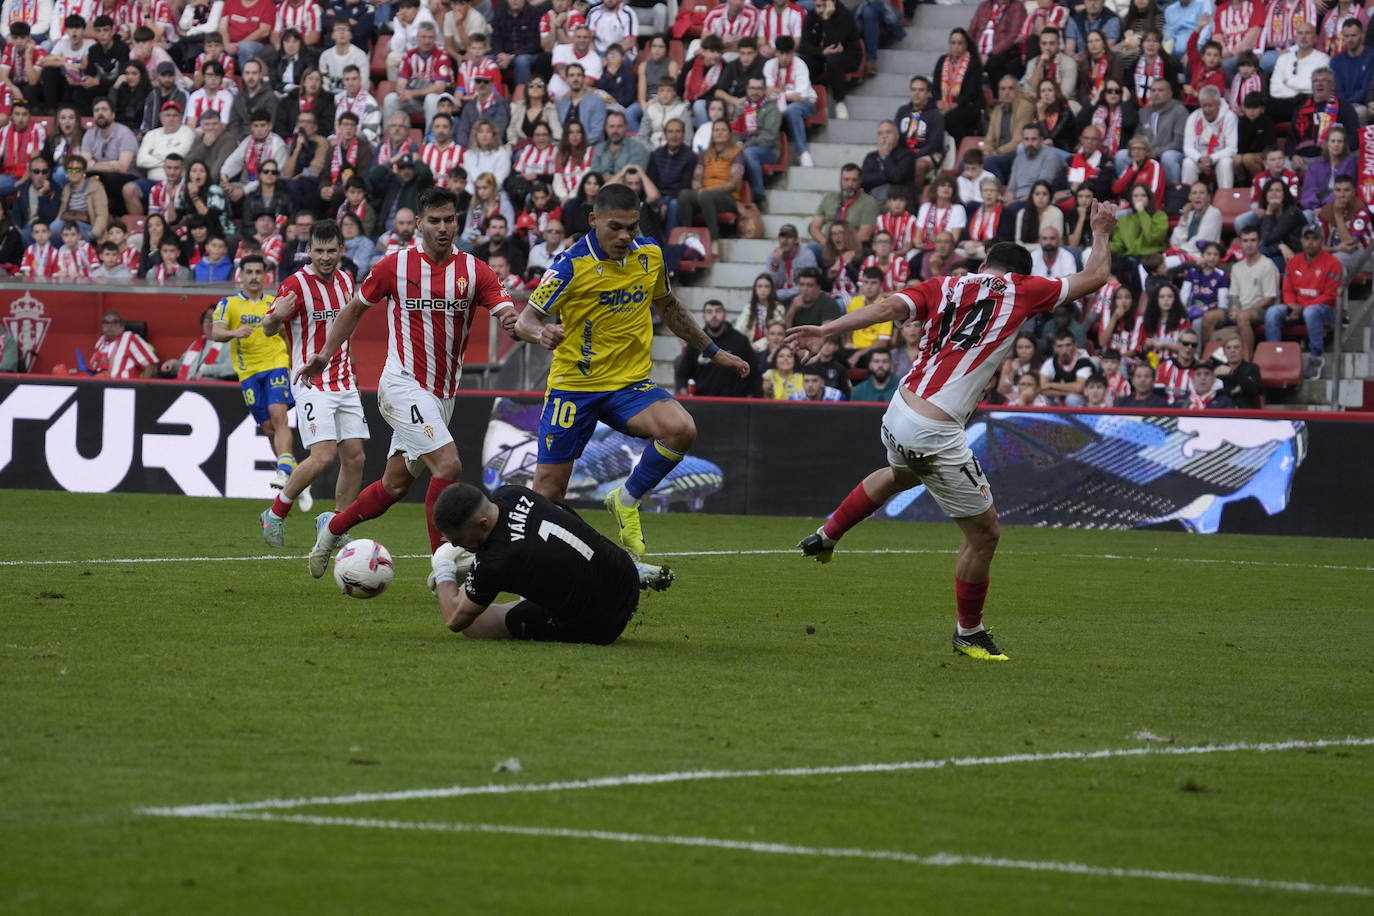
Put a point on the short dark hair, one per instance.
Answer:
(1345, 179)
(712, 43)
(748, 41)
(350, 116)
(353, 67)
(260, 115)
(1065, 334)
(616, 197)
(814, 273)
(142, 33)
(108, 246)
(169, 240)
(1249, 230)
(173, 157)
(873, 273)
(212, 66)
(433, 198)
(102, 22)
(1009, 257)
(710, 302)
(253, 259)
(1057, 33)
(784, 44)
(1096, 378)
(326, 230)
(20, 29)
(456, 504)
(1112, 353)
(850, 167)
(447, 117)
(75, 21)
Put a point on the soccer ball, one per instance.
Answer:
(363, 569)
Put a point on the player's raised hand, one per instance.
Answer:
(1103, 219)
(283, 306)
(550, 336)
(727, 360)
(806, 338)
(311, 370)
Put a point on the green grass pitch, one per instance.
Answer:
(152, 685)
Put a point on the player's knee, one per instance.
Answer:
(324, 452)
(351, 458)
(986, 538)
(680, 434)
(448, 468)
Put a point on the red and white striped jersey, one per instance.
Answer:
(539, 161)
(11, 58)
(430, 309)
(201, 101)
(130, 14)
(227, 61)
(1289, 177)
(468, 72)
(774, 22)
(718, 22)
(303, 17)
(124, 357)
(441, 160)
(1176, 381)
(39, 261)
(78, 261)
(317, 305)
(130, 258)
(894, 274)
(573, 20)
(901, 226)
(434, 67)
(968, 325)
(164, 194)
(394, 244)
(18, 146)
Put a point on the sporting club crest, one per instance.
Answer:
(29, 326)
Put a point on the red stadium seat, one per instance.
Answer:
(1232, 202)
(1280, 364)
(379, 53)
(746, 196)
(133, 223)
(689, 16)
(381, 90)
(690, 259)
(1212, 347)
(858, 375)
(676, 51)
(858, 75)
(965, 145)
(417, 136)
(784, 157)
(822, 115)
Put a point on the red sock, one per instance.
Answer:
(856, 507)
(968, 599)
(437, 485)
(280, 507)
(370, 503)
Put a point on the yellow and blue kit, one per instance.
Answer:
(601, 369)
(262, 363)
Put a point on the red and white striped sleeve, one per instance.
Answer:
(380, 282)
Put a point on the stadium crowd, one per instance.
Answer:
(141, 139)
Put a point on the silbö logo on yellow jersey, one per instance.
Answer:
(623, 300)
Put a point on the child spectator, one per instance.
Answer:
(895, 270)
(215, 267)
(170, 270)
(1118, 383)
(1164, 320)
(1028, 391)
(971, 177)
(1274, 168)
(897, 222)
(878, 337)
(664, 107)
(76, 257)
(110, 269)
(1204, 70)
(1205, 285)
(1095, 392)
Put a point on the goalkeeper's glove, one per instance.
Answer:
(448, 564)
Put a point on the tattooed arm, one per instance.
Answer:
(686, 328)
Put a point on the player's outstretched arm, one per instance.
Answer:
(341, 330)
(809, 337)
(687, 329)
(1099, 265)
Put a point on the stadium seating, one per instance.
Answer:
(1210, 349)
(965, 145)
(1232, 202)
(1280, 364)
(379, 53)
(784, 157)
(691, 261)
(822, 115)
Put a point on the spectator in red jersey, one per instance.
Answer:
(1311, 284)
(120, 353)
(996, 31)
(19, 139)
(203, 358)
(425, 74)
(1174, 373)
(246, 27)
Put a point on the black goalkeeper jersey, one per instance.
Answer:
(549, 556)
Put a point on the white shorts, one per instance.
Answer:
(419, 420)
(937, 452)
(328, 416)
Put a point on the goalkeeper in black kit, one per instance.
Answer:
(575, 586)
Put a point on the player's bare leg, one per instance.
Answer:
(274, 518)
(972, 572)
(865, 499)
(491, 623)
(277, 428)
(551, 481)
(672, 432)
(350, 481)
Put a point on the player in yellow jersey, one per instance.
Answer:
(598, 293)
(262, 363)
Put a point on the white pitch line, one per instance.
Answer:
(896, 551)
(649, 779)
(937, 860)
